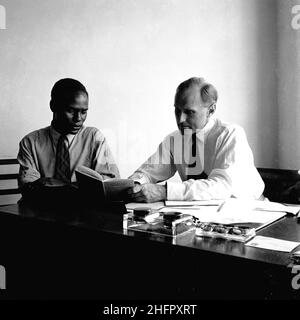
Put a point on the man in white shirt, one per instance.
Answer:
(213, 159)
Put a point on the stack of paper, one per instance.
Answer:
(172, 203)
(275, 206)
(241, 203)
(232, 211)
(153, 206)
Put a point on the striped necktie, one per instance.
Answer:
(195, 166)
(62, 164)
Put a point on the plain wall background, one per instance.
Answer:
(131, 55)
(288, 86)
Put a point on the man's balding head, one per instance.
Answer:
(195, 102)
(207, 91)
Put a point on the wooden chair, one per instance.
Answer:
(9, 191)
(281, 185)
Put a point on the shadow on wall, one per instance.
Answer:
(266, 83)
(2, 17)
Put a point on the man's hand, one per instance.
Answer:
(291, 194)
(148, 192)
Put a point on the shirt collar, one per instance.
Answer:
(55, 135)
(203, 133)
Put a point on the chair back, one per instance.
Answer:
(9, 191)
(281, 185)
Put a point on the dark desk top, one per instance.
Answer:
(85, 253)
(287, 228)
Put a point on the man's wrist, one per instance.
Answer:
(139, 177)
(164, 193)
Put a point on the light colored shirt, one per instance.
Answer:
(37, 154)
(223, 154)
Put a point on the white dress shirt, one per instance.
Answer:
(223, 154)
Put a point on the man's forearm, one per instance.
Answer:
(202, 189)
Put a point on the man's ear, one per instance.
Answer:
(212, 109)
(52, 106)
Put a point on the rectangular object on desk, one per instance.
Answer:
(175, 203)
(153, 205)
(276, 207)
(273, 244)
(158, 225)
(229, 232)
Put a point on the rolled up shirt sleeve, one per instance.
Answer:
(159, 167)
(28, 171)
(103, 160)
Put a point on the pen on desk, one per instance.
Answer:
(221, 206)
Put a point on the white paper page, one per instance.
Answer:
(254, 204)
(211, 214)
(255, 216)
(235, 207)
(275, 206)
(153, 206)
(174, 203)
(272, 244)
(204, 214)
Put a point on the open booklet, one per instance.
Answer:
(91, 183)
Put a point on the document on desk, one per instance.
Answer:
(153, 206)
(258, 219)
(231, 211)
(204, 214)
(275, 206)
(174, 203)
(253, 204)
(272, 244)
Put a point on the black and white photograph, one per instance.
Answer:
(149, 153)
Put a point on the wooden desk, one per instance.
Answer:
(50, 254)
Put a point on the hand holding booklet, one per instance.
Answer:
(92, 184)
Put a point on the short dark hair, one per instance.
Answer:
(64, 91)
(208, 92)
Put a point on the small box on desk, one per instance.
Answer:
(229, 232)
(159, 223)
